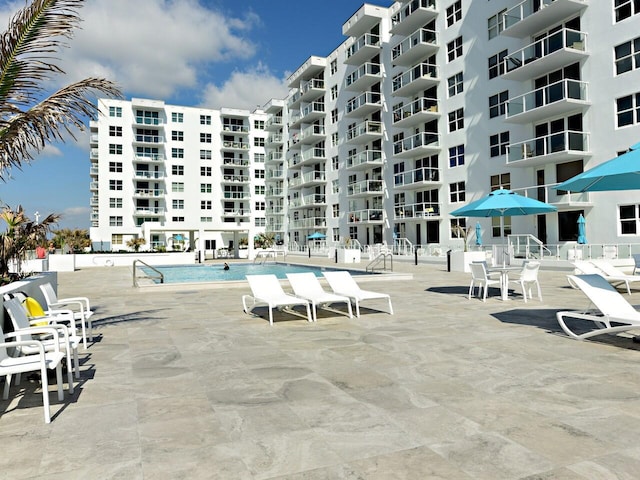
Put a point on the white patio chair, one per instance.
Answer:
(79, 305)
(68, 340)
(527, 278)
(612, 312)
(267, 291)
(342, 283)
(636, 262)
(306, 285)
(481, 279)
(40, 361)
(610, 273)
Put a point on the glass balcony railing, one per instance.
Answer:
(422, 139)
(416, 210)
(563, 90)
(418, 38)
(141, 120)
(367, 98)
(420, 105)
(365, 187)
(555, 143)
(364, 128)
(422, 70)
(149, 175)
(517, 17)
(410, 8)
(367, 158)
(149, 138)
(419, 175)
(366, 40)
(372, 69)
(368, 215)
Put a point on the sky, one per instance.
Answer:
(204, 53)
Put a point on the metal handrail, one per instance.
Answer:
(382, 256)
(135, 278)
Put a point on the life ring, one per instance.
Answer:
(108, 262)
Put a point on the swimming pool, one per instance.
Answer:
(236, 272)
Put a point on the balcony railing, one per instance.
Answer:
(236, 162)
(375, 215)
(417, 176)
(146, 174)
(149, 210)
(567, 90)
(275, 138)
(146, 192)
(421, 42)
(275, 156)
(367, 159)
(312, 131)
(141, 120)
(150, 157)
(315, 153)
(274, 121)
(366, 70)
(532, 16)
(236, 178)
(235, 128)
(235, 195)
(312, 108)
(560, 145)
(313, 84)
(365, 187)
(415, 8)
(416, 210)
(424, 71)
(309, 177)
(312, 222)
(366, 98)
(274, 192)
(235, 145)
(149, 138)
(420, 140)
(308, 200)
(420, 105)
(365, 128)
(366, 40)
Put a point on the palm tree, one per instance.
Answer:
(22, 235)
(75, 239)
(28, 118)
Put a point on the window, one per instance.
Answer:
(177, 135)
(177, 204)
(258, 124)
(627, 56)
(177, 153)
(458, 225)
(259, 189)
(454, 13)
(206, 219)
(258, 158)
(205, 119)
(495, 24)
(259, 173)
(498, 104)
(260, 206)
(455, 84)
(496, 64)
(498, 144)
(205, 154)
(177, 219)
(177, 169)
(334, 139)
(495, 226)
(334, 115)
(117, 238)
(115, 184)
(629, 219)
(626, 8)
(335, 208)
(502, 180)
(335, 162)
(456, 192)
(205, 171)
(334, 92)
(177, 187)
(335, 186)
(115, 131)
(115, 149)
(205, 188)
(115, 167)
(456, 156)
(205, 204)
(115, 112)
(115, 221)
(115, 202)
(205, 137)
(177, 117)
(628, 110)
(333, 66)
(456, 120)
(260, 222)
(258, 142)
(454, 49)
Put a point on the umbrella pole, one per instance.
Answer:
(504, 246)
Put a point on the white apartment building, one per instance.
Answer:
(426, 105)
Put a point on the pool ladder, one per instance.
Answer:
(158, 274)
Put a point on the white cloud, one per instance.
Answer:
(74, 217)
(245, 90)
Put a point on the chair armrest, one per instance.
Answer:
(85, 300)
(42, 330)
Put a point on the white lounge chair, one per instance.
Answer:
(480, 278)
(342, 283)
(306, 285)
(612, 312)
(267, 291)
(80, 306)
(610, 273)
(527, 278)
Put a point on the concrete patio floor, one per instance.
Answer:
(180, 383)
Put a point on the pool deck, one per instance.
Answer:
(183, 384)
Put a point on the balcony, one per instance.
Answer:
(312, 222)
(312, 90)
(93, 154)
(94, 202)
(294, 100)
(313, 66)
(239, 146)
(295, 160)
(550, 53)
(275, 157)
(313, 200)
(413, 15)
(532, 16)
(558, 198)
(153, 139)
(367, 17)
(148, 193)
(312, 155)
(311, 134)
(311, 112)
(235, 162)
(148, 175)
(148, 121)
(275, 139)
(418, 46)
(93, 186)
(364, 132)
(362, 49)
(416, 211)
(236, 179)
(236, 212)
(363, 77)
(365, 188)
(365, 160)
(556, 99)
(411, 82)
(235, 195)
(371, 215)
(274, 192)
(274, 123)
(148, 211)
(232, 128)
(423, 143)
(419, 111)
(554, 148)
(363, 105)
(149, 157)
(93, 171)
(93, 139)
(308, 179)
(418, 178)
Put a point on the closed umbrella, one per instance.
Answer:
(619, 173)
(478, 234)
(582, 233)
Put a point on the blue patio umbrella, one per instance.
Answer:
(317, 236)
(582, 234)
(478, 234)
(619, 173)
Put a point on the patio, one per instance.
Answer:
(182, 384)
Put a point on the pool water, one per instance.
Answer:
(236, 272)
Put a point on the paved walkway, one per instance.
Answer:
(183, 384)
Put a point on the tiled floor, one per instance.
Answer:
(183, 384)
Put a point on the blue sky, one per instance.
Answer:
(209, 53)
